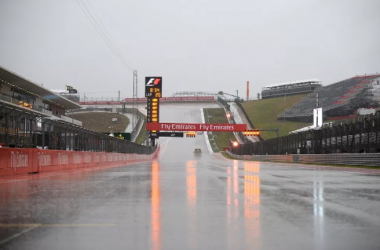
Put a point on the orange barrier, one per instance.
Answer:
(16, 161)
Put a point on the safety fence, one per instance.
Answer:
(357, 136)
(246, 115)
(16, 161)
(23, 128)
(372, 159)
(223, 103)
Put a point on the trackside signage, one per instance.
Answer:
(177, 99)
(196, 127)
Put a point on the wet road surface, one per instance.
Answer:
(185, 202)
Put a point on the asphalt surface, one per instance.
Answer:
(185, 202)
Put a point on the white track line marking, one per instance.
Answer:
(18, 234)
(166, 145)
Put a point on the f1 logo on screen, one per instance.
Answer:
(153, 86)
(154, 82)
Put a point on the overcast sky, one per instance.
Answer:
(208, 45)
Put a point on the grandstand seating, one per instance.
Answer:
(290, 88)
(339, 99)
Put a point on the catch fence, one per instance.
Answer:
(354, 136)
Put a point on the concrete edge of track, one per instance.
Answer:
(325, 161)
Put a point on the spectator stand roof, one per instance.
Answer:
(309, 81)
(34, 89)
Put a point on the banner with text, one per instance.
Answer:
(177, 99)
(196, 127)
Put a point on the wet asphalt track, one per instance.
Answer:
(186, 202)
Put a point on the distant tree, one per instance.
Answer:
(258, 96)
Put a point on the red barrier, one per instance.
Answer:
(16, 161)
(369, 76)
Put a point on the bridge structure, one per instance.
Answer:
(194, 93)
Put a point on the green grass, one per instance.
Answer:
(263, 114)
(221, 139)
(102, 121)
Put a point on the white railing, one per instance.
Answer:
(71, 120)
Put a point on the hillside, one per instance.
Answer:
(102, 121)
(263, 114)
(218, 140)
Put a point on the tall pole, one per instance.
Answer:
(135, 106)
(247, 90)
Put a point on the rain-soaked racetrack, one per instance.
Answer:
(186, 202)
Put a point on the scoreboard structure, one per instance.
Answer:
(153, 111)
(153, 93)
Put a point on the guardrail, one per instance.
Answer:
(223, 103)
(325, 159)
(358, 136)
(72, 120)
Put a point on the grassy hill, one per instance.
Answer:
(221, 139)
(102, 121)
(263, 114)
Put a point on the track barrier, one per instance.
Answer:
(17, 161)
(368, 159)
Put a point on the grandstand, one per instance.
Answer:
(339, 99)
(290, 88)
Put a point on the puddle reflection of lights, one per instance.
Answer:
(156, 209)
(236, 185)
(318, 209)
(318, 197)
(191, 187)
(252, 202)
(233, 191)
(191, 183)
(233, 221)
